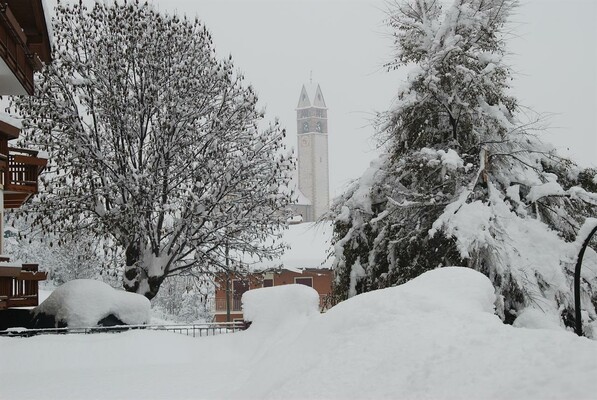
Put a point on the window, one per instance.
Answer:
(238, 288)
(307, 281)
(268, 282)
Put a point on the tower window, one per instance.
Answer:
(306, 127)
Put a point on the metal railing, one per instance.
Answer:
(194, 330)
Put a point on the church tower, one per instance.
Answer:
(312, 133)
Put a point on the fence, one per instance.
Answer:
(194, 330)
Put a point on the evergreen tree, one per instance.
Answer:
(154, 145)
(462, 181)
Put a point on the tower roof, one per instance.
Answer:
(311, 96)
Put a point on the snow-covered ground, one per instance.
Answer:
(435, 337)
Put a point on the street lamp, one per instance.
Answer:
(577, 310)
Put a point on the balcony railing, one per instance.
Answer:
(21, 169)
(15, 52)
(21, 290)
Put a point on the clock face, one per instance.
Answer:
(304, 142)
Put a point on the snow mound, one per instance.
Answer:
(444, 291)
(272, 305)
(435, 337)
(531, 318)
(84, 302)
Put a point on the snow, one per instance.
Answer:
(468, 223)
(356, 272)
(84, 302)
(309, 246)
(537, 319)
(43, 154)
(361, 198)
(547, 189)
(301, 199)
(585, 230)
(449, 159)
(11, 264)
(513, 192)
(531, 251)
(268, 307)
(10, 120)
(435, 337)
(48, 17)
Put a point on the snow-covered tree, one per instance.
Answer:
(80, 259)
(154, 144)
(462, 181)
(184, 298)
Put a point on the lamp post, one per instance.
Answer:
(577, 310)
(227, 284)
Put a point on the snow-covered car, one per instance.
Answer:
(89, 303)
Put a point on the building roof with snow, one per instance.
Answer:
(309, 243)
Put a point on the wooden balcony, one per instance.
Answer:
(19, 285)
(24, 43)
(20, 169)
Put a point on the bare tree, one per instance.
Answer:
(154, 144)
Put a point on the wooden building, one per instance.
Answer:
(230, 288)
(306, 262)
(24, 44)
(24, 47)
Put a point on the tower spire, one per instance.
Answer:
(312, 135)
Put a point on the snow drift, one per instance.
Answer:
(435, 337)
(84, 302)
(270, 306)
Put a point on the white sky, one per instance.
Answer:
(276, 43)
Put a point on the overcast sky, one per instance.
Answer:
(277, 43)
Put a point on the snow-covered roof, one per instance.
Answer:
(311, 96)
(48, 19)
(10, 120)
(10, 269)
(302, 200)
(298, 197)
(309, 246)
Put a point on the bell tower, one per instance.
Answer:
(312, 133)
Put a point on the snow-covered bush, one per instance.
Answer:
(463, 181)
(85, 302)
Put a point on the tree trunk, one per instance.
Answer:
(135, 273)
(454, 125)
